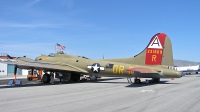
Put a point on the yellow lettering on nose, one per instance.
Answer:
(121, 69)
(115, 68)
(153, 58)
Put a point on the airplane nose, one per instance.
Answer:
(38, 58)
(41, 58)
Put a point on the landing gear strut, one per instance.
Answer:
(129, 80)
(136, 80)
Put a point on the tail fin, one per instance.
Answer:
(157, 52)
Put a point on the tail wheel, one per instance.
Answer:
(137, 81)
(46, 78)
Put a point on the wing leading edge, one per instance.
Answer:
(27, 63)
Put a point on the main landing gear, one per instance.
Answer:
(46, 78)
(136, 80)
(70, 77)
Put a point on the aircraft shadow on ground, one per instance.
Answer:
(149, 84)
(35, 83)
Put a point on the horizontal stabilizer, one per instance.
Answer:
(141, 70)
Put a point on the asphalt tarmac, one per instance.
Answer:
(106, 95)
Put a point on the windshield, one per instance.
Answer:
(51, 55)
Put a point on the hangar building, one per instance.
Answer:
(8, 69)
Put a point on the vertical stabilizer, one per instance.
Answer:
(157, 52)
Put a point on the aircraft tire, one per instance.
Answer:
(46, 78)
(93, 78)
(196, 72)
(137, 81)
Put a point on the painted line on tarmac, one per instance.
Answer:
(147, 91)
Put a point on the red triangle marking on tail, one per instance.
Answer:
(154, 51)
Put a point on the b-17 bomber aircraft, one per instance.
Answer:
(153, 62)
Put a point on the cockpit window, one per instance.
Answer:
(83, 57)
(60, 52)
(51, 55)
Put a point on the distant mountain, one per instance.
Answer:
(185, 63)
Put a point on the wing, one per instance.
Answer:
(26, 63)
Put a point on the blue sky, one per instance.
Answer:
(93, 28)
